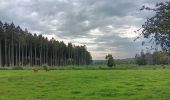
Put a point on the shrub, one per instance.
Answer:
(17, 68)
(163, 67)
(36, 69)
(45, 67)
(4, 68)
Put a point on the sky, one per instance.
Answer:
(104, 26)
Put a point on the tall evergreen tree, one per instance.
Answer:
(19, 47)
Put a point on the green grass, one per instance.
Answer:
(85, 85)
(92, 67)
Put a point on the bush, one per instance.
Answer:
(45, 67)
(4, 68)
(17, 68)
(36, 69)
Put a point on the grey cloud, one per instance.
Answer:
(68, 19)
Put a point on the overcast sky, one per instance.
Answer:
(104, 26)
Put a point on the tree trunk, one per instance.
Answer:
(31, 61)
(0, 55)
(9, 55)
(47, 56)
(16, 56)
(6, 57)
(44, 56)
(51, 57)
(35, 56)
(12, 51)
(29, 56)
(19, 57)
(22, 56)
(26, 56)
(41, 55)
(56, 58)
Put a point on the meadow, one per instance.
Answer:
(142, 84)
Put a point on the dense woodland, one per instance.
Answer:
(19, 47)
(155, 58)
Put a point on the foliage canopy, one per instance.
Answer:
(157, 28)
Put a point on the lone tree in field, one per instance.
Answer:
(110, 61)
(157, 28)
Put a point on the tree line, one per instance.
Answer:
(155, 58)
(157, 30)
(19, 47)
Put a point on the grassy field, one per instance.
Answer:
(85, 85)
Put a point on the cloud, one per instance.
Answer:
(105, 26)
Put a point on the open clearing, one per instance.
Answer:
(85, 85)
